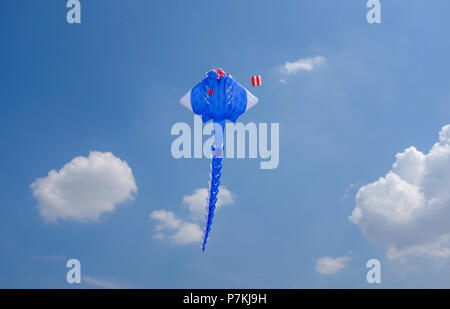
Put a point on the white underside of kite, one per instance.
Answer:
(186, 100)
(251, 100)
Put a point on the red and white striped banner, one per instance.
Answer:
(256, 80)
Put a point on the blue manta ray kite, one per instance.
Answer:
(218, 97)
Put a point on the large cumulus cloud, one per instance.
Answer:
(84, 188)
(408, 210)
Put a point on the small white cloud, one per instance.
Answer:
(407, 211)
(183, 232)
(329, 266)
(198, 201)
(166, 219)
(303, 64)
(188, 233)
(100, 283)
(84, 188)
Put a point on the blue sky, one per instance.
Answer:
(109, 85)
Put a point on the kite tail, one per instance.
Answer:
(216, 166)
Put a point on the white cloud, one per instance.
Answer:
(100, 283)
(183, 232)
(329, 266)
(166, 219)
(198, 201)
(407, 211)
(303, 64)
(84, 188)
(187, 233)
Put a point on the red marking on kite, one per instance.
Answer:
(210, 92)
(220, 72)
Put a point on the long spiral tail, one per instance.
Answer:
(216, 166)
